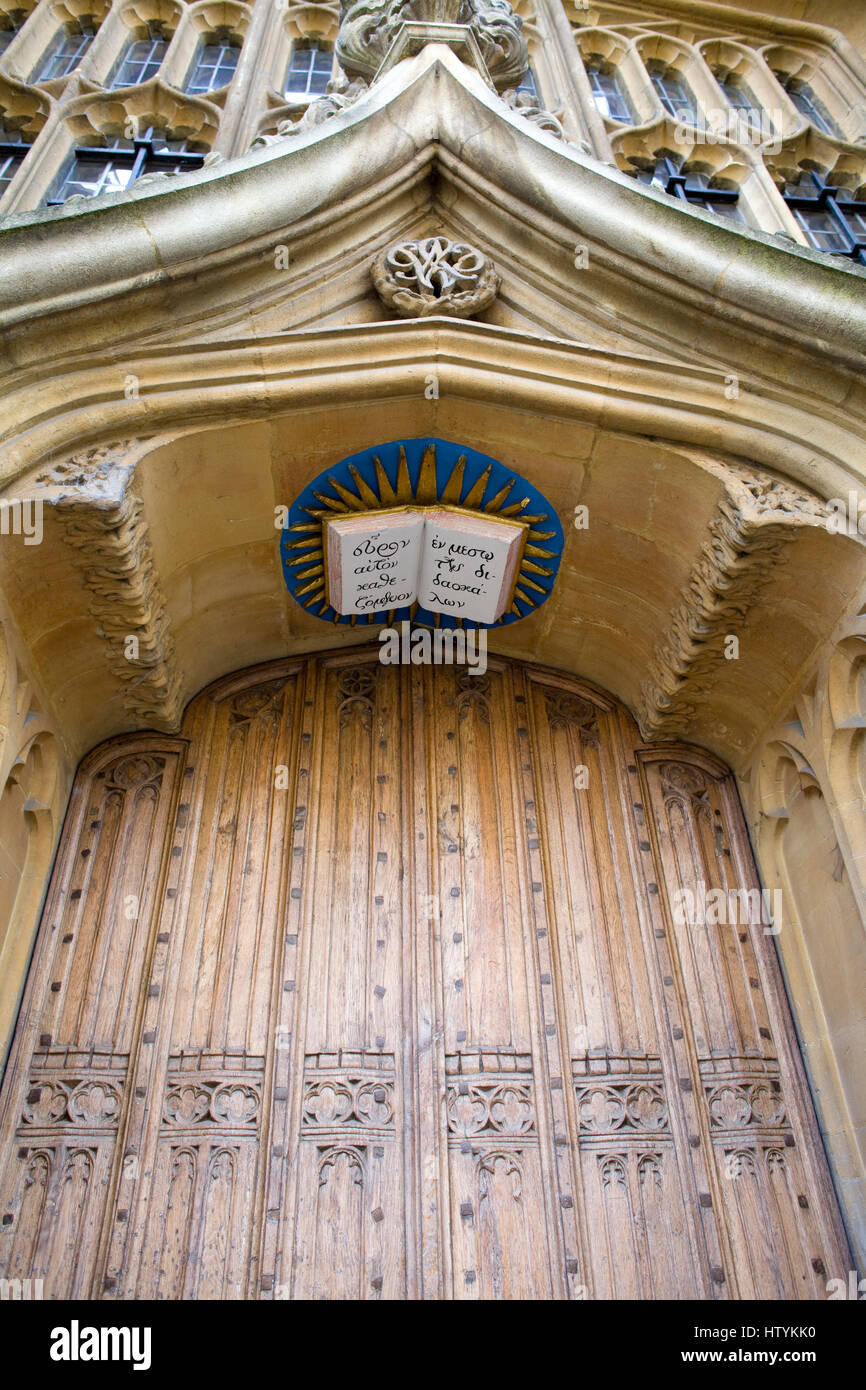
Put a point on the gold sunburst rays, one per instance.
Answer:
(307, 546)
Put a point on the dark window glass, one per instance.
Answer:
(7, 35)
(64, 53)
(694, 186)
(141, 61)
(673, 93)
(608, 92)
(529, 84)
(13, 151)
(740, 99)
(114, 166)
(809, 105)
(309, 71)
(214, 65)
(833, 219)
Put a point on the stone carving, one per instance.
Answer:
(370, 27)
(317, 112)
(434, 276)
(764, 494)
(80, 468)
(111, 534)
(524, 104)
(747, 538)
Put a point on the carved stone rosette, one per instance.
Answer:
(435, 276)
(370, 27)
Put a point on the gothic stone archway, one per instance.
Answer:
(360, 988)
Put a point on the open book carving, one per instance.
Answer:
(445, 559)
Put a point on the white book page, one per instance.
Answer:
(466, 571)
(373, 564)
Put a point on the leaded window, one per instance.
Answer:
(214, 64)
(142, 59)
(13, 151)
(529, 83)
(696, 186)
(833, 219)
(608, 91)
(809, 105)
(65, 52)
(310, 70)
(673, 93)
(109, 168)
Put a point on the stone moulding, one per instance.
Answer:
(105, 524)
(757, 518)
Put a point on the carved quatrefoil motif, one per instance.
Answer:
(435, 276)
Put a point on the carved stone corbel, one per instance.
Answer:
(105, 524)
(757, 518)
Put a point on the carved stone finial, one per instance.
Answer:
(369, 28)
(435, 276)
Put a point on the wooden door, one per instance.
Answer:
(369, 985)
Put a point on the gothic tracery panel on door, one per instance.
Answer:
(371, 985)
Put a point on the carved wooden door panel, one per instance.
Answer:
(370, 985)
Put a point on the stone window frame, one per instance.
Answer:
(196, 23)
(839, 92)
(599, 46)
(225, 39)
(129, 22)
(815, 56)
(598, 68)
(23, 57)
(684, 60)
(543, 70)
(287, 26)
(64, 36)
(16, 16)
(150, 63)
(760, 203)
(725, 58)
(826, 201)
(104, 116)
(840, 182)
(738, 171)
